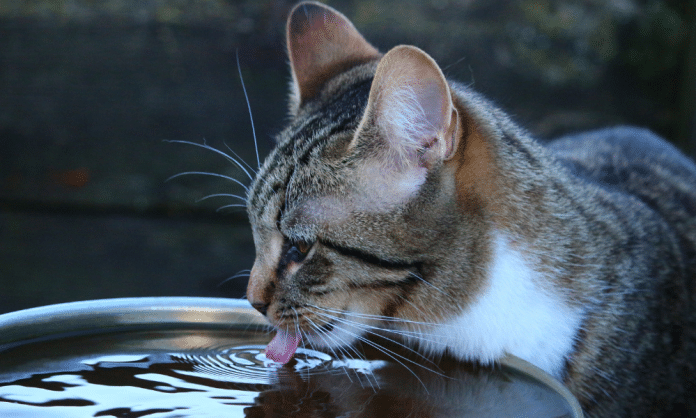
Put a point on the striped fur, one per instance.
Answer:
(596, 233)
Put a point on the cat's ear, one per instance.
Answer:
(410, 108)
(322, 43)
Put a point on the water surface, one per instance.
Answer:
(224, 373)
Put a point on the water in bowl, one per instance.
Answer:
(224, 373)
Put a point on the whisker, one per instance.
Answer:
(253, 130)
(241, 273)
(419, 335)
(323, 334)
(342, 348)
(428, 283)
(240, 158)
(347, 349)
(242, 198)
(454, 63)
(414, 306)
(376, 317)
(209, 148)
(234, 205)
(325, 337)
(406, 333)
(368, 329)
(394, 356)
(205, 173)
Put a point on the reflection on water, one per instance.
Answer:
(229, 376)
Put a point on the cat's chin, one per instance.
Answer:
(335, 340)
(341, 334)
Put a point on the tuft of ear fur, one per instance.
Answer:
(410, 124)
(410, 106)
(321, 43)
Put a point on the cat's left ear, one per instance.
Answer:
(410, 109)
(321, 43)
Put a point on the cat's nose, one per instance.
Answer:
(261, 307)
(259, 291)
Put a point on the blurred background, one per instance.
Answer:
(91, 90)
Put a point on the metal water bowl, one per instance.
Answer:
(203, 357)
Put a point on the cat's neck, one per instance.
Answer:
(538, 268)
(525, 194)
(517, 313)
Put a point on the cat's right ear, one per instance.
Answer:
(321, 43)
(410, 110)
(410, 125)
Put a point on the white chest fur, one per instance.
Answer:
(516, 314)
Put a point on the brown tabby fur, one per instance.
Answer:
(357, 213)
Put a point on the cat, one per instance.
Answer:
(400, 203)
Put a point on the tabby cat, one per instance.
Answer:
(401, 203)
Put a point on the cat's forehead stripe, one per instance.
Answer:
(339, 115)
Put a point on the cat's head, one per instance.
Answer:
(356, 208)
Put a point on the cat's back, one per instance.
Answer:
(637, 162)
(642, 182)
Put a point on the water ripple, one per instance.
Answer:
(249, 364)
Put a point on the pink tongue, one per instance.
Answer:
(282, 346)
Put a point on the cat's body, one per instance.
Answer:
(396, 200)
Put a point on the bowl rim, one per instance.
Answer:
(108, 315)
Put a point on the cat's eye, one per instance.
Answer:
(298, 251)
(303, 247)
